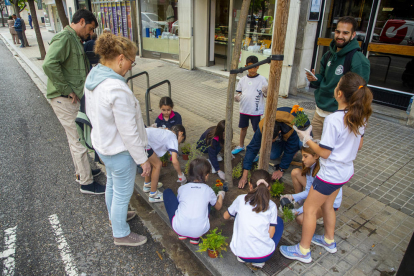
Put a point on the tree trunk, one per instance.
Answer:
(278, 47)
(230, 91)
(62, 15)
(37, 29)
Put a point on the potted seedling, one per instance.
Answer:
(213, 243)
(287, 215)
(301, 119)
(285, 202)
(185, 150)
(237, 171)
(277, 189)
(164, 159)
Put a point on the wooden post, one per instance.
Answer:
(230, 90)
(278, 47)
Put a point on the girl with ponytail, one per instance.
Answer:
(342, 137)
(257, 228)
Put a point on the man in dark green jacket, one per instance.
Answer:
(66, 66)
(332, 69)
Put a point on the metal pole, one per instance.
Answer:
(132, 82)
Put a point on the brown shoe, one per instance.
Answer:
(132, 239)
(130, 215)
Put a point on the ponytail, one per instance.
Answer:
(259, 196)
(359, 98)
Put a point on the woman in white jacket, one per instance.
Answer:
(118, 131)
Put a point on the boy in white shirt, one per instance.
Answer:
(251, 99)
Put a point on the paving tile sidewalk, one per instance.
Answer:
(376, 219)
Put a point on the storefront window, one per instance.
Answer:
(160, 26)
(391, 51)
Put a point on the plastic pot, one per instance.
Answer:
(212, 253)
(185, 156)
(285, 202)
(303, 128)
(164, 163)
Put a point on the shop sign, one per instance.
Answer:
(315, 10)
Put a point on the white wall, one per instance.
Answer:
(185, 15)
(200, 32)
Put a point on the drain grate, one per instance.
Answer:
(277, 262)
(308, 105)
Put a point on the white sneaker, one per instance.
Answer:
(147, 187)
(219, 158)
(240, 260)
(212, 168)
(319, 221)
(156, 197)
(259, 265)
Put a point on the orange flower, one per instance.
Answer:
(218, 180)
(300, 109)
(294, 108)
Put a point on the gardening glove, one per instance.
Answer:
(154, 125)
(290, 197)
(304, 136)
(232, 156)
(182, 179)
(222, 175)
(222, 193)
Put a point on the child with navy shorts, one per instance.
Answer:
(161, 141)
(342, 137)
(168, 118)
(303, 179)
(257, 228)
(189, 210)
(251, 98)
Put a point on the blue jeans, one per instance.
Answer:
(120, 175)
(276, 239)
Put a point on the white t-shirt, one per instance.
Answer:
(304, 194)
(191, 218)
(336, 137)
(251, 230)
(162, 140)
(252, 101)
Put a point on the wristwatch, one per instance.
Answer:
(278, 168)
(282, 170)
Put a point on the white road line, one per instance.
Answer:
(10, 250)
(63, 246)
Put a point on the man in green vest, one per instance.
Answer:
(67, 66)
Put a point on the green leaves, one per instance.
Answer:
(287, 215)
(277, 188)
(213, 241)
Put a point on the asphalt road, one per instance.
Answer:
(47, 227)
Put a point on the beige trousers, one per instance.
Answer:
(15, 39)
(66, 112)
(317, 126)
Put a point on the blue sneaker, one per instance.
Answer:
(320, 240)
(293, 253)
(257, 158)
(237, 150)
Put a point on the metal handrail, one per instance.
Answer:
(147, 96)
(132, 83)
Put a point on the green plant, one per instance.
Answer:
(301, 118)
(215, 189)
(287, 215)
(237, 171)
(194, 153)
(185, 149)
(213, 241)
(249, 174)
(165, 157)
(277, 188)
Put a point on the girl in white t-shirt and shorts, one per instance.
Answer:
(342, 137)
(159, 142)
(189, 210)
(257, 228)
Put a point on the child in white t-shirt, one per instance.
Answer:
(251, 99)
(188, 211)
(257, 228)
(303, 179)
(342, 137)
(159, 142)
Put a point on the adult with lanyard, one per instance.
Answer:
(285, 140)
(344, 55)
(66, 66)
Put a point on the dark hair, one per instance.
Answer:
(94, 36)
(14, 14)
(349, 20)
(252, 59)
(198, 170)
(359, 98)
(216, 131)
(259, 196)
(166, 101)
(85, 14)
(10, 17)
(306, 170)
(177, 128)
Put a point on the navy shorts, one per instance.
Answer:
(244, 121)
(150, 152)
(325, 188)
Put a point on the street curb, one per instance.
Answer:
(228, 265)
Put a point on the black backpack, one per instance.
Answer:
(348, 59)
